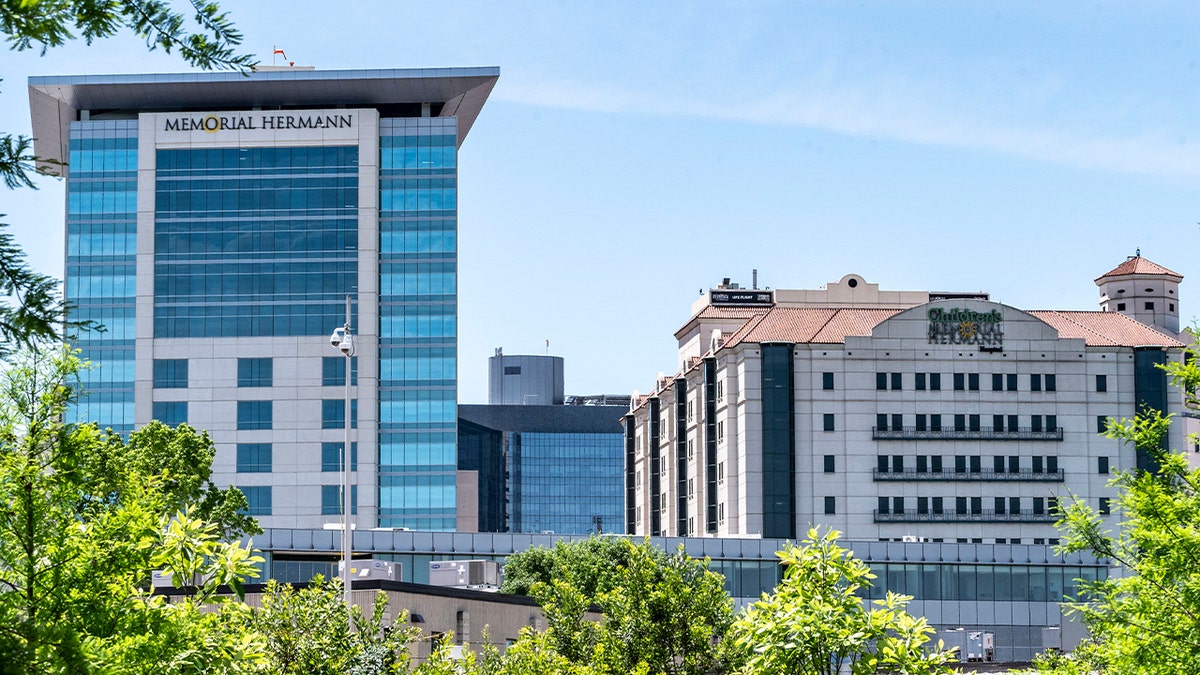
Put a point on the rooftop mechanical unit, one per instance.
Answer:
(373, 569)
(477, 574)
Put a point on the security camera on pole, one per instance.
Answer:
(343, 340)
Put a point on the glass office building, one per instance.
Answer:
(545, 468)
(216, 223)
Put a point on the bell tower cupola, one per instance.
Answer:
(1143, 291)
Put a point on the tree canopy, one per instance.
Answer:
(1145, 617)
(815, 622)
(202, 36)
(663, 612)
(80, 537)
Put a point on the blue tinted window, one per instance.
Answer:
(331, 456)
(333, 413)
(563, 482)
(170, 413)
(254, 457)
(238, 235)
(418, 323)
(170, 373)
(254, 414)
(331, 500)
(333, 371)
(259, 499)
(255, 372)
(100, 280)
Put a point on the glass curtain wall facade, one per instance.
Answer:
(418, 221)
(238, 233)
(101, 265)
(223, 218)
(565, 483)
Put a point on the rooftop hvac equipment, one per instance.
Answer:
(162, 579)
(373, 569)
(973, 645)
(477, 574)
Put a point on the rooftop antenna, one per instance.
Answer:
(547, 348)
(754, 279)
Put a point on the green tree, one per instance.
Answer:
(815, 621)
(1144, 618)
(589, 565)
(76, 558)
(203, 36)
(181, 458)
(311, 631)
(663, 613)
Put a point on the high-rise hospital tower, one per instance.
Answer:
(215, 224)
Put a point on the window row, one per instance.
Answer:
(259, 415)
(969, 505)
(1149, 306)
(968, 464)
(969, 582)
(258, 499)
(964, 422)
(306, 159)
(264, 319)
(253, 372)
(961, 381)
(246, 203)
(257, 457)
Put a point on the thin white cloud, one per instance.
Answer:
(873, 113)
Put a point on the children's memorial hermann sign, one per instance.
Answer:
(966, 327)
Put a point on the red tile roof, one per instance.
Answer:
(810, 325)
(852, 322)
(814, 325)
(1104, 329)
(711, 312)
(1138, 265)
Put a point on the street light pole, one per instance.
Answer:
(343, 340)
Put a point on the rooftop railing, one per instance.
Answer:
(980, 434)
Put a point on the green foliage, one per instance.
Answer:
(1083, 660)
(77, 548)
(181, 459)
(208, 42)
(35, 311)
(1145, 618)
(815, 622)
(663, 613)
(589, 565)
(312, 631)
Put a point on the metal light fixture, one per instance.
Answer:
(342, 338)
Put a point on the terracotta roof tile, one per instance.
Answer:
(852, 322)
(809, 324)
(832, 326)
(790, 324)
(1104, 329)
(711, 312)
(737, 336)
(1138, 265)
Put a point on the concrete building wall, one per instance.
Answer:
(525, 380)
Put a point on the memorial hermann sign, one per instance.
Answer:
(966, 327)
(274, 121)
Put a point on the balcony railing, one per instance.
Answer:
(983, 516)
(989, 476)
(980, 434)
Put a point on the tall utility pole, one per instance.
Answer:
(343, 340)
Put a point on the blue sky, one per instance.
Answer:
(634, 153)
